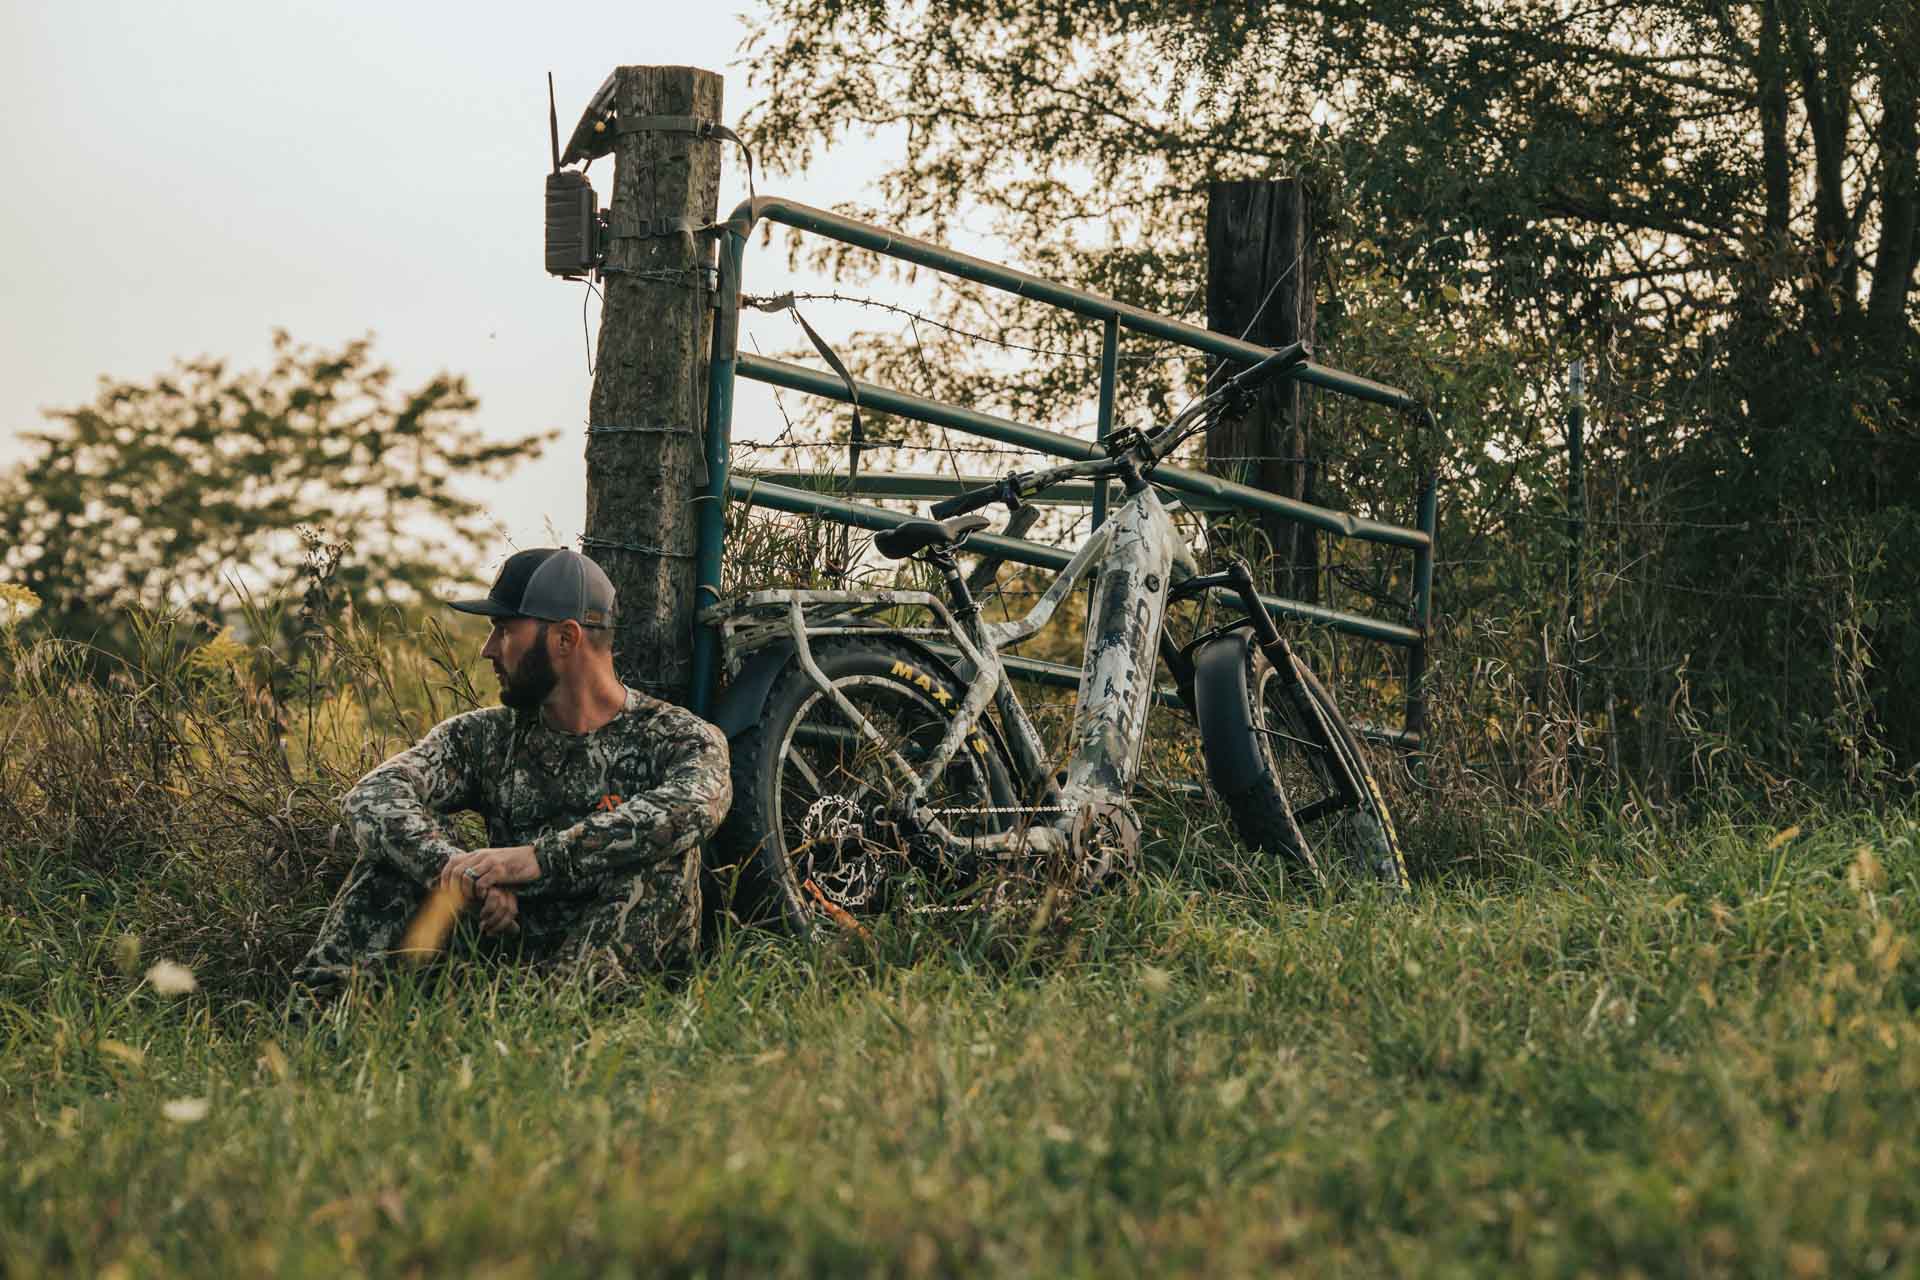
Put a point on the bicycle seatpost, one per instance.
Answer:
(964, 605)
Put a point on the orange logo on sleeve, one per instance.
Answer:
(608, 803)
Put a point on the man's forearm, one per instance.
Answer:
(389, 823)
(661, 822)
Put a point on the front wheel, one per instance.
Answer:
(1294, 777)
(813, 826)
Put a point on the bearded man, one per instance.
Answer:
(596, 799)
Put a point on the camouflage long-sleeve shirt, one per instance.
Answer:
(647, 784)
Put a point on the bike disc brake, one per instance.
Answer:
(839, 857)
(1103, 842)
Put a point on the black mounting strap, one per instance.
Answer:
(698, 126)
(625, 228)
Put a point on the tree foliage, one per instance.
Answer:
(1717, 201)
(170, 492)
(1705, 153)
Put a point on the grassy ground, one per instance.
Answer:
(1583, 1047)
(1681, 1053)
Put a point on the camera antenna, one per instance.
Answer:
(553, 123)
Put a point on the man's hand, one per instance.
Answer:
(483, 869)
(499, 912)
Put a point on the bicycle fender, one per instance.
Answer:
(944, 666)
(745, 696)
(1220, 705)
(744, 699)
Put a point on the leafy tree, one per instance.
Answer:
(1721, 198)
(164, 493)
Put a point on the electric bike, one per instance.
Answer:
(879, 743)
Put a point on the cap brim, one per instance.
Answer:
(485, 608)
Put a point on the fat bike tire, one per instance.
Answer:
(1277, 756)
(807, 786)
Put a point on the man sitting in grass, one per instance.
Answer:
(596, 798)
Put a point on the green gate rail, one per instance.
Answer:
(727, 363)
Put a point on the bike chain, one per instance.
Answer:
(1044, 808)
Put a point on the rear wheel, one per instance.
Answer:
(814, 826)
(1294, 777)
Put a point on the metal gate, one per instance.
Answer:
(727, 363)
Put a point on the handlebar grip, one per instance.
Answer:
(1294, 353)
(961, 503)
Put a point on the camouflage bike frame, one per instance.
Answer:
(1142, 567)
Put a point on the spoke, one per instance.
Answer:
(854, 788)
(1302, 743)
(842, 780)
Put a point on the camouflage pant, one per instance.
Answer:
(645, 921)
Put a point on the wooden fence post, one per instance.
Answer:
(1576, 550)
(648, 409)
(1260, 278)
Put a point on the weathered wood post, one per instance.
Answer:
(648, 409)
(1260, 278)
(1576, 549)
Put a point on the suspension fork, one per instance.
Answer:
(1237, 578)
(1266, 633)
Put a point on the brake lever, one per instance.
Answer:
(1126, 440)
(1010, 486)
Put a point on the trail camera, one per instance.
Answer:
(575, 235)
(576, 225)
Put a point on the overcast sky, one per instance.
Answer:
(185, 178)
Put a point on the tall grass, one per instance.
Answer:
(195, 785)
(1687, 1052)
(1594, 1041)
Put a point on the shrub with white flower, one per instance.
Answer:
(171, 979)
(16, 604)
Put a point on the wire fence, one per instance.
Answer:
(1568, 648)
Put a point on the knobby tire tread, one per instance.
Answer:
(768, 889)
(1229, 709)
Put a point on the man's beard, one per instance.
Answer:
(528, 684)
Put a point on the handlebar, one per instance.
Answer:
(1249, 380)
(1150, 448)
(1007, 490)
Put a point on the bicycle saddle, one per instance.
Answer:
(914, 536)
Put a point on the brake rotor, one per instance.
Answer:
(838, 855)
(1104, 842)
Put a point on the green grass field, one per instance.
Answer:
(1585, 1046)
(1608, 1051)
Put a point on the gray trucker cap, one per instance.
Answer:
(549, 583)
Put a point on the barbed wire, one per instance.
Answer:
(919, 317)
(830, 445)
(1592, 521)
(836, 443)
